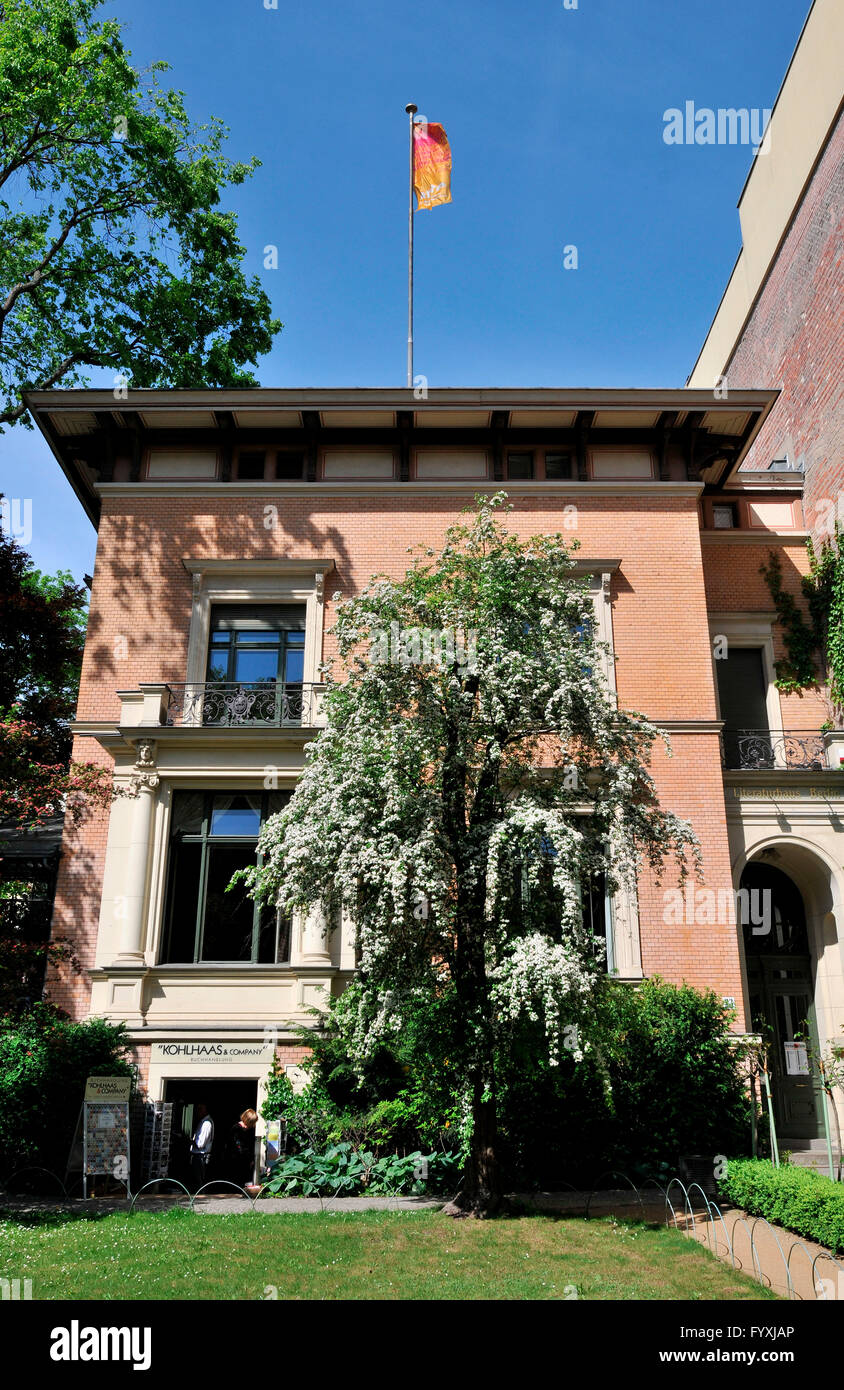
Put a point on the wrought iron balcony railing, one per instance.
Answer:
(243, 704)
(758, 750)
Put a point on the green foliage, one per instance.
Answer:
(663, 1081)
(815, 647)
(114, 250)
(346, 1171)
(25, 950)
(42, 635)
(309, 1115)
(675, 1071)
(831, 595)
(44, 1061)
(807, 1203)
(798, 671)
(403, 1097)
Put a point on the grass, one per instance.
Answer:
(358, 1255)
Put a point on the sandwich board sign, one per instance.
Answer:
(105, 1130)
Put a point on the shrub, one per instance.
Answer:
(44, 1061)
(309, 1115)
(677, 1086)
(662, 1080)
(346, 1171)
(807, 1203)
(404, 1098)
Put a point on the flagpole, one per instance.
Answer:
(411, 111)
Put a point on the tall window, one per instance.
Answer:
(257, 643)
(212, 834)
(742, 694)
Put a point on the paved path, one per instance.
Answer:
(775, 1253)
(220, 1205)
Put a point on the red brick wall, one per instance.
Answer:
(793, 339)
(142, 593)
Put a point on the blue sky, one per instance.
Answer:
(555, 120)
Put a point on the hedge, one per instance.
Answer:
(796, 1198)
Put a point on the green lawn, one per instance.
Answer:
(359, 1255)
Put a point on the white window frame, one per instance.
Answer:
(600, 573)
(256, 581)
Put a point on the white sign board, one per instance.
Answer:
(204, 1054)
(796, 1059)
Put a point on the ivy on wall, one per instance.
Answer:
(814, 645)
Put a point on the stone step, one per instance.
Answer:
(816, 1159)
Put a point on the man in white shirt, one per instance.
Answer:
(201, 1144)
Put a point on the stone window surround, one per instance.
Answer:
(155, 916)
(256, 581)
(749, 630)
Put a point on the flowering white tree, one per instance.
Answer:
(467, 792)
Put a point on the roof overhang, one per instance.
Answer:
(84, 428)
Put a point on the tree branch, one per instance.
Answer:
(8, 417)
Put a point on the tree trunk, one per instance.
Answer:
(482, 1193)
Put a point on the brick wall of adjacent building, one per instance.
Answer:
(793, 338)
(140, 615)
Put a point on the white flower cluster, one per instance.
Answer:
(549, 983)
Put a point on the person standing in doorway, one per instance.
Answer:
(201, 1144)
(242, 1148)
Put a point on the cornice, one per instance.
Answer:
(255, 399)
(219, 565)
(730, 537)
(646, 487)
(116, 737)
(788, 779)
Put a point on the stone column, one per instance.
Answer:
(144, 782)
(624, 915)
(315, 939)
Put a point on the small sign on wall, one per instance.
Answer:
(108, 1088)
(796, 1059)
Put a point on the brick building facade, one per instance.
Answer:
(228, 522)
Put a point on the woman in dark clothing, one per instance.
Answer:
(242, 1148)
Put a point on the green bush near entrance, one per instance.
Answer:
(44, 1061)
(664, 1081)
(807, 1203)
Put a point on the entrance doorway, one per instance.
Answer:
(226, 1100)
(781, 989)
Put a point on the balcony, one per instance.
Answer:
(243, 705)
(773, 750)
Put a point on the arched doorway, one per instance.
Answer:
(781, 994)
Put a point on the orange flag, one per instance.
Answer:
(431, 165)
